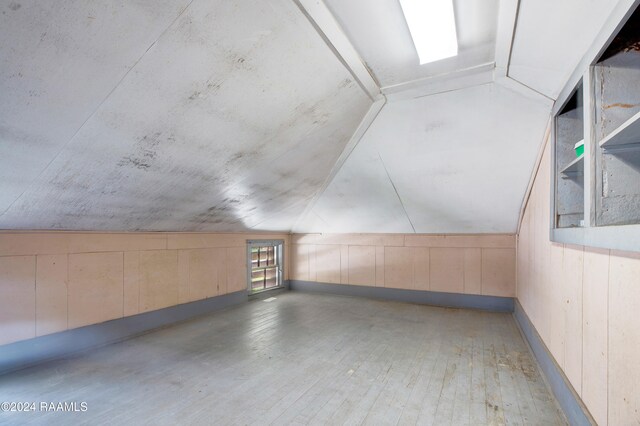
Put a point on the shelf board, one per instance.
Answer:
(575, 168)
(628, 133)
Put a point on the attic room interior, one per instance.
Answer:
(391, 212)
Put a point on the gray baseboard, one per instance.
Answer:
(570, 402)
(453, 300)
(26, 353)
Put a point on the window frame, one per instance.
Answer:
(279, 257)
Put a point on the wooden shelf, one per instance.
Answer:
(575, 168)
(628, 134)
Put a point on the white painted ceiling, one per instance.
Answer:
(209, 115)
(457, 162)
(550, 39)
(147, 115)
(379, 32)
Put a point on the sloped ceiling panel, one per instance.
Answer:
(552, 37)
(58, 62)
(235, 114)
(360, 198)
(457, 162)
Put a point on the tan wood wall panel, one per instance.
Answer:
(362, 266)
(131, 284)
(236, 269)
(498, 271)
(85, 278)
(385, 261)
(328, 257)
(473, 271)
(447, 270)
(51, 293)
(398, 267)
(624, 339)
(584, 303)
(421, 268)
(595, 312)
(95, 288)
(158, 279)
(572, 285)
(18, 303)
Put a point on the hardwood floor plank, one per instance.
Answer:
(301, 359)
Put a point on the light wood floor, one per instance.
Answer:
(302, 359)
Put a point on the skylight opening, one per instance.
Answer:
(432, 25)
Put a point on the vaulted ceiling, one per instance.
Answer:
(210, 115)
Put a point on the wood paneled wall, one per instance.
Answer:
(472, 264)
(584, 303)
(54, 281)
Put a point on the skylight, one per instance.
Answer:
(432, 25)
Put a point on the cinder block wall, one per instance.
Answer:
(584, 303)
(55, 281)
(472, 264)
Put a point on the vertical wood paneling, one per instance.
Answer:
(499, 272)
(584, 303)
(447, 270)
(219, 261)
(301, 262)
(362, 259)
(398, 267)
(18, 301)
(131, 282)
(473, 271)
(313, 268)
(362, 265)
(236, 269)
(556, 305)
(344, 264)
(96, 288)
(594, 338)
(624, 339)
(202, 274)
(379, 266)
(183, 276)
(75, 279)
(421, 268)
(328, 263)
(51, 293)
(158, 279)
(572, 280)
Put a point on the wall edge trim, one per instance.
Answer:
(424, 297)
(37, 350)
(569, 401)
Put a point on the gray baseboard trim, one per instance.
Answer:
(26, 353)
(451, 300)
(570, 402)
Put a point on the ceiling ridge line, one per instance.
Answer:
(513, 37)
(454, 90)
(534, 174)
(508, 77)
(330, 31)
(358, 134)
(396, 191)
(459, 73)
(96, 109)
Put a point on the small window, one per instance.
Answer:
(265, 265)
